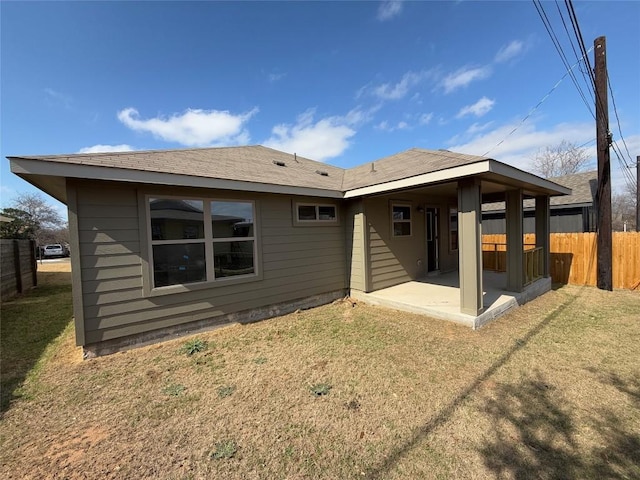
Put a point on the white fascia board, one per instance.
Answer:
(23, 166)
(424, 179)
(525, 177)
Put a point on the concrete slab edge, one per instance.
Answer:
(116, 345)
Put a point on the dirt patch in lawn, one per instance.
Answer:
(348, 391)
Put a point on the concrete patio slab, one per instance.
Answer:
(438, 296)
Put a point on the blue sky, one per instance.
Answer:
(340, 82)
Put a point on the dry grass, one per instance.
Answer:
(62, 265)
(551, 390)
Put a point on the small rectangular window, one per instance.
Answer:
(316, 213)
(453, 228)
(307, 212)
(326, 212)
(401, 220)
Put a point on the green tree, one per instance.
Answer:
(21, 224)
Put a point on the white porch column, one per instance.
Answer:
(515, 247)
(543, 229)
(470, 246)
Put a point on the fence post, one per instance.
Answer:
(34, 262)
(16, 268)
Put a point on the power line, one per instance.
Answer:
(589, 81)
(614, 146)
(615, 110)
(563, 57)
(542, 100)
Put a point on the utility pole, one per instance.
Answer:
(605, 277)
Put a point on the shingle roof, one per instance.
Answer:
(409, 163)
(261, 165)
(249, 163)
(583, 187)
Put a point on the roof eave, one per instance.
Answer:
(546, 186)
(26, 167)
(444, 175)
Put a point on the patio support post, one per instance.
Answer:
(515, 246)
(543, 229)
(470, 246)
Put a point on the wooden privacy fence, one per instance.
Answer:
(574, 257)
(18, 269)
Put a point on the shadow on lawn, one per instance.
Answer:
(445, 414)
(29, 324)
(534, 436)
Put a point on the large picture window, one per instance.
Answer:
(194, 241)
(401, 220)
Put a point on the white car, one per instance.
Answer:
(54, 250)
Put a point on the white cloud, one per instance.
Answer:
(389, 9)
(386, 127)
(106, 148)
(519, 147)
(399, 90)
(425, 118)
(194, 127)
(463, 77)
(388, 91)
(480, 108)
(478, 127)
(274, 77)
(321, 140)
(507, 52)
(54, 97)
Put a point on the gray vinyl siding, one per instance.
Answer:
(395, 260)
(295, 262)
(566, 220)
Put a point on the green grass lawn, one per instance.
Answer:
(551, 390)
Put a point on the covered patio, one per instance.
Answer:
(416, 242)
(439, 297)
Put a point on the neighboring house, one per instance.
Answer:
(570, 213)
(164, 242)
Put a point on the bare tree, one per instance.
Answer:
(43, 217)
(623, 208)
(563, 159)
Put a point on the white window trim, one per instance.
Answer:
(317, 220)
(208, 242)
(409, 221)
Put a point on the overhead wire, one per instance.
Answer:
(600, 103)
(526, 117)
(615, 110)
(578, 56)
(556, 42)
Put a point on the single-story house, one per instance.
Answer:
(164, 242)
(570, 213)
